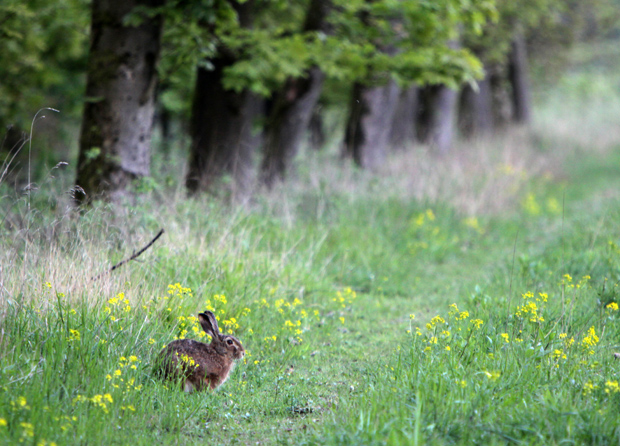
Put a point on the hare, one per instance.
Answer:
(198, 365)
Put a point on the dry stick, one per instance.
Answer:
(133, 257)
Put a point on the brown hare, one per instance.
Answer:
(197, 365)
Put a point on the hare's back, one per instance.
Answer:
(188, 351)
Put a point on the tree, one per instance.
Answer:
(422, 40)
(41, 65)
(436, 118)
(292, 106)
(224, 138)
(370, 121)
(519, 80)
(475, 108)
(292, 61)
(120, 98)
(403, 129)
(505, 89)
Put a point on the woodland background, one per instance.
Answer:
(238, 88)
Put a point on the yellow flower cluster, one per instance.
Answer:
(456, 314)
(424, 233)
(441, 330)
(179, 290)
(589, 342)
(100, 401)
(612, 387)
(27, 429)
(230, 324)
(567, 281)
(120, 376)
(20, 403)
(493, 376)
(187, 323)
(119, 301)
(419, 219)
(434, 322)
(473, 223)
(477, 322)
(344, 297)
(74, 335)
(530, 309)
(589, 387)
(613, 306)
(186, 359)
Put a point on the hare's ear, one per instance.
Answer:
(209, 323)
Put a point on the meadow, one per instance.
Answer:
(471, 299)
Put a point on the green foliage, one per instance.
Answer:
(43, 56)
(368, 42)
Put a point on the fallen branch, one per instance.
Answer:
(133, 257)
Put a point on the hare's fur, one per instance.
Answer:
(197, 365)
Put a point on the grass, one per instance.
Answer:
(464, 301)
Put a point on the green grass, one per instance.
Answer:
(319, 282)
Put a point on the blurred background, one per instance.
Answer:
(233, 98)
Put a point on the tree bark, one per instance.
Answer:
(436, 119)
(403, 130)
(317, 129)
(222, 132)
(118, 114)
(369, 124)
(476, 109)
(517, 74)
(287, 124)
(292, 108)
(500, 96)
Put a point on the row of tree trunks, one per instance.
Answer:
(118, 114)
(224, 139)
(432, 114)
(122, 81)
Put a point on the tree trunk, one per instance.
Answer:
(476, 109)
(222, 132)
(222, 125)
(292, 109)
(120, 90)
(500, 96)
(287, 124)
(517, 74)
(402, 133)
(369, 124)
(436, 119)
(317, 129)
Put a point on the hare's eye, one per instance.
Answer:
(229, 342)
